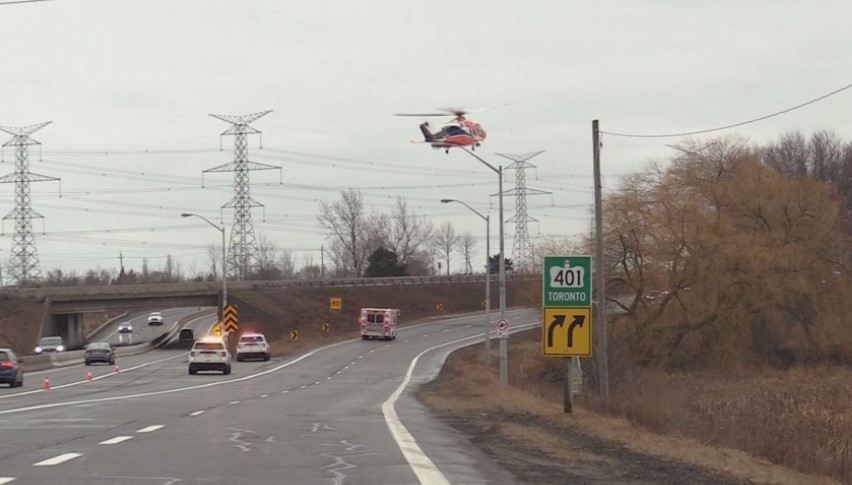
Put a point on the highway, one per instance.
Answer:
(341, 414)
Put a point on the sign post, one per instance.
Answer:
(567, 312)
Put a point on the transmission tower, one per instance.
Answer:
(243, 255)
(522, 250)
(23, 264)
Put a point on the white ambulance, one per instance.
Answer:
(379, 323)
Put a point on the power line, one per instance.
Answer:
(734, 125)
(10, 2)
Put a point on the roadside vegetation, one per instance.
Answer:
(730, 269)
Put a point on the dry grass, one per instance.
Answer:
(801, 418)
(714, 423)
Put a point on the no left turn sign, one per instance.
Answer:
(503, 327)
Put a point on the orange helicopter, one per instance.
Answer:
(458, 132)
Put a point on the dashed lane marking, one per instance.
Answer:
(58, 459)
(151, 428)
(116, 440)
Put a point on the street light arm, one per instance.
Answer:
(492, 167)
(189, 214)
(446, 201)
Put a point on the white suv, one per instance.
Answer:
(209, 354)
(252, 346)
(155, 318)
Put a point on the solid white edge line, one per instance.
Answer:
(58, 459)
(5, 480)
(420, 464)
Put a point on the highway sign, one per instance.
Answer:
(567, 331)
(567, 281)
(217, 329)
(326, 327)
(230, 322)
(335, 303)
(294, 334)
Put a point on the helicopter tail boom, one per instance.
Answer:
(427, 135)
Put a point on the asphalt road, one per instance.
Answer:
(341, 414)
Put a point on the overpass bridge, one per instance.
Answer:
(64, 306)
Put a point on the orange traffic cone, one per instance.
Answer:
(89, 376)
(116, 368)
(46, 384)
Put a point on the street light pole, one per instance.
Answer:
(504, 351)
(224, 264)
(487, 277)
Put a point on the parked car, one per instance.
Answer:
(252, 345)
(209, 353)
(11, 370)
(155, 318)
(125, 327)
(99, 352)
(52, 343)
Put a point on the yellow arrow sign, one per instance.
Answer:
(294, 334)
(217, 329)
(567, 331)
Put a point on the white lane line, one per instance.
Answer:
(234, 402)
(153, 427)
(264, 395)
(196, 413)
(285, 391)
(58, 459)
(4, 480)
(420, 464)
(116, 440)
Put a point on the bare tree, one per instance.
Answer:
(214, 257)
(467, 241)
(446, 241)
(344, 223)
(408, 232)
(267, 259)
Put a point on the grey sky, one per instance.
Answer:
(129, 84)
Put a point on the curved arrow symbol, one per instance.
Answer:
(578, 322)
(558, 320)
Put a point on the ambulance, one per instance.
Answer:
(379, 323)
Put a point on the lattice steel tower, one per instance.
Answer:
(23, 264)
(243, 255)
(522, 250)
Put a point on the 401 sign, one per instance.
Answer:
(567, 281)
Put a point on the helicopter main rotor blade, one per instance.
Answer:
(423, 114)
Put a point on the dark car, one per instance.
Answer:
(186, 337)
(99, 352)
(11, 370)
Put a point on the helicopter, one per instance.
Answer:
(458, 132)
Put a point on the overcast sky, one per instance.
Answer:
(128, 86)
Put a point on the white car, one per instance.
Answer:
(125, 327)
(209, 354)
(252, 346)
(155, 318)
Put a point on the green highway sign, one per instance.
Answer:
(567, 281)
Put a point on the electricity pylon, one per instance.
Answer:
(23, 264)
(243, 255)
(522, 250)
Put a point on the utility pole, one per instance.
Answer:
(600, 280)
(243, 253)
(23, 264)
